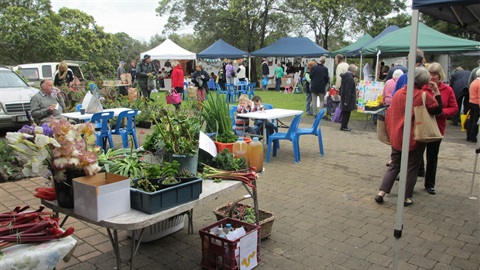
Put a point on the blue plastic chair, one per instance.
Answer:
(220, 90)
(316, 130)
(104, 133)
(129, 128)
(269, 107)
(251, 90)
(231, 90)
(289, 135)
(241, 88)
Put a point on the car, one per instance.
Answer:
(15, 95)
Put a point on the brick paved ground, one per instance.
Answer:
(326, 217)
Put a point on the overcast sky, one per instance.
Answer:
(137, 18)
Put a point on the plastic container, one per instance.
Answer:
(240, 148)
(255, 154)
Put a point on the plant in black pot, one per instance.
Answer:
(168, 172)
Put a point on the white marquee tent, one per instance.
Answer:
(169, 50)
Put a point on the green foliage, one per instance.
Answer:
(146, 185)
(170, 169)
(170, 180)
(126, 162)
(184, 173)
(153, 171)
(216, 115)
(177, 132)
(225, 161)
(6, 153)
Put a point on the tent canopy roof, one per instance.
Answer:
(292, 47)
(354, 45)
(429, 40)
(460, 12)
(359, 49)
(169, 50)
(221, 49)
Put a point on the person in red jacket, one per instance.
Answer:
(177, 80)
(394, 124)
(449, 109)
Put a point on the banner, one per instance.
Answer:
(368, 90)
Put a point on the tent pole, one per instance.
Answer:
(361, 65)
(477, 151)
(406, 138)
(376, 65)
(249, 68)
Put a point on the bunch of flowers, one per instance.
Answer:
(55, 148)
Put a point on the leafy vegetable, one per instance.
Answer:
(225, 161)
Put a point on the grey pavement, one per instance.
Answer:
(326, 216)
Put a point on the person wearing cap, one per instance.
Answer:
(122, 90)
(145, 71)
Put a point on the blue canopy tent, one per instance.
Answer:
(292, 47)
(461, 12)
(221, 49)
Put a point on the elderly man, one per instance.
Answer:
(319, 79)
(46, 103)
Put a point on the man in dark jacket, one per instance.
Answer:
(319, 79)
(145, 75)
(459, 84)
(265, 72)
(348, 94)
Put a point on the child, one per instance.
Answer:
(242, 123)
(269, 127)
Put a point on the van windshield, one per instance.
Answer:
(10, 79)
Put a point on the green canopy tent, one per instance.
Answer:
(429, 40)
(361, 41)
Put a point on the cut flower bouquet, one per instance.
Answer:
(54, 148)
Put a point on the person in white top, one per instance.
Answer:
(342, 67)
(241, 74)
(367, 72)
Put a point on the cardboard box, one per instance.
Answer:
(101, 196)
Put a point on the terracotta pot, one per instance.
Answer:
(220, 146)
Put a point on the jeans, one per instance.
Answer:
(278, 82)
(315, 97)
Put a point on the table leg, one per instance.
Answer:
(190, 221)
(115, 246)
(135, 245)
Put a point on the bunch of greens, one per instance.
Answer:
(225, 161)
(216, 115)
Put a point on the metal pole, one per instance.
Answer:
(406, 138)
(477, 151)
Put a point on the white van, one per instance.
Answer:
(41, 71)
(15, 95)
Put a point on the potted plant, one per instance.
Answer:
(168, 172)
(217, 119)
(177, 137)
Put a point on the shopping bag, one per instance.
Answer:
(465, 120)
(381, 130)
(192, 92)
(426, 127)
(173, 98)
(94, 106)
(265, 81)
(337, 116)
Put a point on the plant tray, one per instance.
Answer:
(154, 202)
(266, 218)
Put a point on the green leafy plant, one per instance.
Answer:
(216, 116)
(153, 171)
(225, 161)
(170, 180)
(184, 173)
(123, 161)
(170, 168)
(178, 133)
(146, 185)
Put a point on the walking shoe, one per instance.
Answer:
(431, 190)
(407, 202)
(345, 129)
(379, 199)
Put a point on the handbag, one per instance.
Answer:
(173, 98)
(426, 127)
(132, 93)
(337, 115)
(381, 130)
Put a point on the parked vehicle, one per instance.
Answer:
(40, 71)
(15, 95)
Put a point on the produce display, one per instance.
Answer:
(247, 176)
(45, 193)
(20, 226)
(377, 103)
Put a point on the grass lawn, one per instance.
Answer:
(291, 101)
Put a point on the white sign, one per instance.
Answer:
(248, 251)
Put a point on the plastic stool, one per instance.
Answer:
(287, 90)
